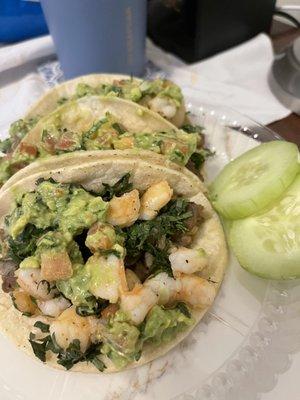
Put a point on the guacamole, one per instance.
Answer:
(10, 164)
(60, 236)
(126, 341)
(162, 325)
(17, 131)
(130, 89)
(68, 209)
(134, 90)
(76, 288)
(103, 134)
(107, 133)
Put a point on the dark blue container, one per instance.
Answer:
(98, 35)
(21, 19)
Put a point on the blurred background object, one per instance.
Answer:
(21, 19)
(290, 7)
(284, 78)
(196, 29)
(98, 35)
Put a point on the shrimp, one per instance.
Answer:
(138, 302)
(100, 236)
(123, 211)
(30, 280)
(196, 291)
(70, 326)
(164, 287)
(23, 302)
(192, 289)
(109, 276)
(109, 311)
(179, 117)
(163, 290)
(164, 106)
(155, 197)
(187, 261)
(131, 278)
(53, 307)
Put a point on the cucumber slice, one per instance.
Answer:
(268, 244)
(252, 181)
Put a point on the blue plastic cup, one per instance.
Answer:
(98, 35)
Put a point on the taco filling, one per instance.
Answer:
(59, 135)
(104, 275)
(159, 95)
(17, 132)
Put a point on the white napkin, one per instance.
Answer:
(17, 54)
(20, 83)
(237, 78)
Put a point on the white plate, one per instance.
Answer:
(229, 355)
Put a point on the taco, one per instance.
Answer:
(160, 95)
(103, 123)
(107, 262)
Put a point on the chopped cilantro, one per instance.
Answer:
(113, 252)
(25, 244)
(5, 145)
(96, 125)
(27, 314)
(122, 186)
(42, 326)
(144, 236)
(71, 356)
(92, 308)
(62, 100)
(119, 128)
(116, 89)
(200, 156)
(188, 128)
(39, 346)
(182, 307)
(67, 358)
